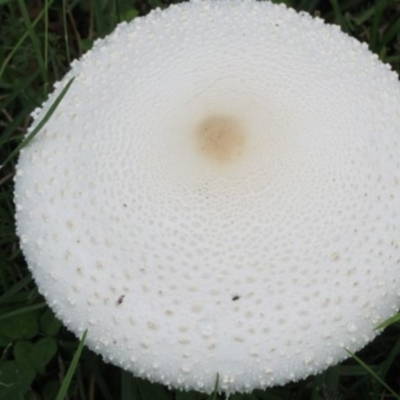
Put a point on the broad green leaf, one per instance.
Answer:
(130, 15)
(15, 379)
(49, 324)
(37, 355)
(23, 326)
(87, 44)
(4, 340)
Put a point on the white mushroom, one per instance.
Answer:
(218, 193)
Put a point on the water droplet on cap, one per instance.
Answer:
(206, 327)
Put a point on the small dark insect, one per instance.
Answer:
(236, 297)
(120, 300)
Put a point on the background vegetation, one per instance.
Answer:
(38, 39)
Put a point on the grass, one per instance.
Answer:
(38, 40)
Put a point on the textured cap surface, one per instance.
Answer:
(218, 192)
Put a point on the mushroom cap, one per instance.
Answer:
(218, 193)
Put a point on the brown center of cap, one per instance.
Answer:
(221, 138)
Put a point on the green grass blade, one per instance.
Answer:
(9, 133)
(374, 375)
(100, 380)
(33, 36)
(71, 370)
(40, 125)
(99, 18)
(151, 391)
(117, 11)
(376, 23)
(216, 386)
(308, 5)
(22, 310)
(393, 59)
(387, 363)
(128, 386)
(191, 395)
(18, 91)
(339, 18)
(391, 33)
(15, 289)
(365, 16)
(66, 39)
(21, 40)
(389, 321)
(79, 374)
(46, 46)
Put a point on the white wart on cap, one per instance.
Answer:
(218, 193)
